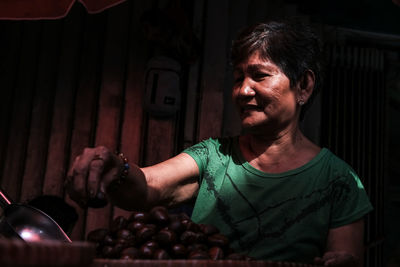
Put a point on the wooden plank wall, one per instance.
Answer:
(354, 131)
(68, 84)
(79, 82)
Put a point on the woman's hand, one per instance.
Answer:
(94, 178)
(344, 246)
(337, 259)
(90, 175)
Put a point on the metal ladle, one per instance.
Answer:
(28, 223)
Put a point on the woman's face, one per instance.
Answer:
(263, 96)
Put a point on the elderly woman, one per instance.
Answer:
(273, 192)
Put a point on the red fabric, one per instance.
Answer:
(96, 6)
(48, 9)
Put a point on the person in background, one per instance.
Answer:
(272, 191)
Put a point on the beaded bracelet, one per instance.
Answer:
(123, 174)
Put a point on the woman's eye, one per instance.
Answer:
(260, 76)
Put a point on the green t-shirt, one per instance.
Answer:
(279, 217)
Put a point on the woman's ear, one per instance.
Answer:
(306, 85)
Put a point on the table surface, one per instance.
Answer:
(193, 263)
(17, 253)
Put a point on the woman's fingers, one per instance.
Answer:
(337, 259)
(95, 188)
(75, 194)
(76, 181)
(84, 179)
(96, 168)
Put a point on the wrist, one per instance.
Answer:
(123, 172)
(128, 189)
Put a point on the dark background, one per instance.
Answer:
(369, 15)
(81, 81)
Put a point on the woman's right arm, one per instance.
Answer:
(97, 171)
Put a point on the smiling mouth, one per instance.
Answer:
(250, 108)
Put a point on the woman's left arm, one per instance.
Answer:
(345, 246)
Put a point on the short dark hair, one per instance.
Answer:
(291, 44)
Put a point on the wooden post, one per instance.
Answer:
(63, 107)
(42, 108)
(132, 127)
(213, 70)
(21, 111)
(111, 96)
(86, 102)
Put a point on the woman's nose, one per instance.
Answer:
(247, 89)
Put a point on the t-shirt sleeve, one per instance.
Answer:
(199, 152)
(350, 201)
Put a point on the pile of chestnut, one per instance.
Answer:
(158, 234)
